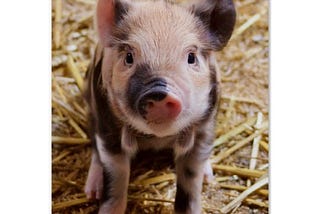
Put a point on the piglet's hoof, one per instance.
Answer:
(94, 183)
(208, 174)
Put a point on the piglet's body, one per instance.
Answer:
(153, 84)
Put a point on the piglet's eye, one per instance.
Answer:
(129, 59)
(191, 58)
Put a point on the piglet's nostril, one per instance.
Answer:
(157, 96)
(150, 104)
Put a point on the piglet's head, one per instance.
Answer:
(158, 66)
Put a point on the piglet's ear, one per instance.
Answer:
(109, 13)
(219, 16)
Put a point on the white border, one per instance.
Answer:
(25, 115)
(295, 107)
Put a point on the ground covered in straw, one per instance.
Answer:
(240, 159)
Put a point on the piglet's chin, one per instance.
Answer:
(163, 129)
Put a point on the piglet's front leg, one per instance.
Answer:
(191, 168)
(189, 185)
(116, 170)
(94, 183)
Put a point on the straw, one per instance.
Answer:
(263, 192)
(245, 194)
(223, 138)
(69, 140)
(240, 144)
(255, 146)
(75, 72)
(57, 24)
(239, 171)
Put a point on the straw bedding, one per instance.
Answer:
(240, 158)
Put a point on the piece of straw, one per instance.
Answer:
(67, 110)
(143, 177)
(264, 145)
(255, 202)
(62, 155)
(69, 203)
(263, 192)
(245, 3)
(59, 89)
(65, 80)
(247, 24)
(243, 99)
(77, 128)
(75, 72)
(222, 155)
(59, 112)
(161, 185)
(244, 172)
(78, 118)
(255, 146)
(69, 140)
(245, 194)
(237, 130)
(264, 166)
(70, 183)
(79, 108)
(225, 178)
(57, 23)
(89, 2)
(158, 179)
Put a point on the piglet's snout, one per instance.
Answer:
(159, 105)
(165, 109)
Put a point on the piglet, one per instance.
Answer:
(153, 84)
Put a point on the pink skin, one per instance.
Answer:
(208, 174)
(94, 183)
(164, 110)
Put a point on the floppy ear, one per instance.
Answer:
(219, 16)
(109, 13)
